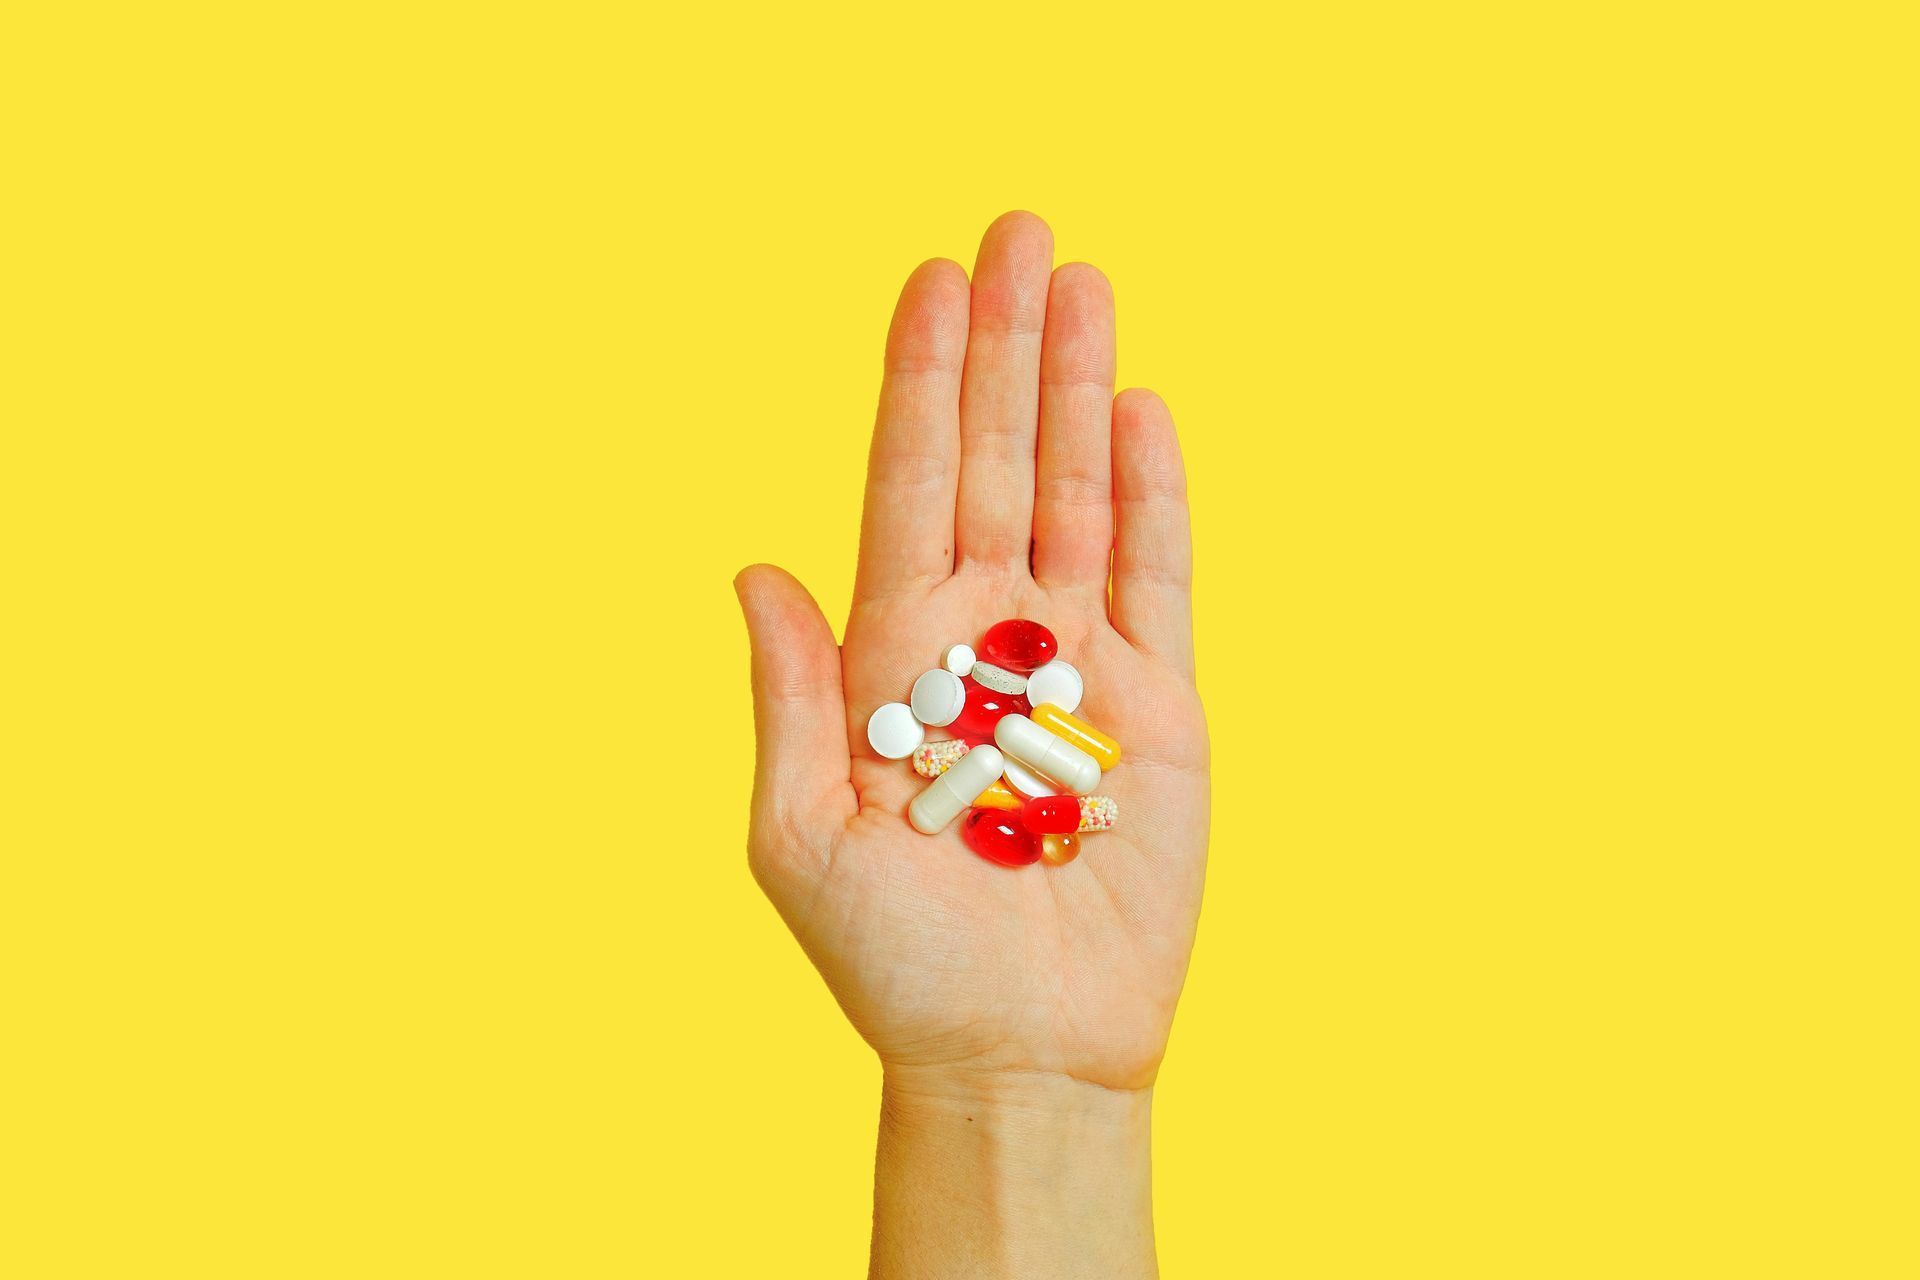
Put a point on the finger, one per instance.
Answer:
(1000, 393)
(801, 766)
(1073, 491)
(1152, 550)
(913, 467)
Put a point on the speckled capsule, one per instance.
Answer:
(1098, 813)
(934, 758)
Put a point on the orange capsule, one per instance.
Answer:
(1059, 850)
(998, 796)
(1104, 750)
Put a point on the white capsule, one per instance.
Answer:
(1055, 758)
(938, 697)
(953, 791)
(1058, 683)
(958, 659)
(893, 731)
(999, 679)
(1026, 781)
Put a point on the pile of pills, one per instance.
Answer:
(1020, 760)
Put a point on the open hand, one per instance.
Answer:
(1005, 481)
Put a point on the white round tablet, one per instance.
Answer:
(1057, 683)
(894, 732)
(958, 659)
(999, 679)
(938, 697)
(1024, 780)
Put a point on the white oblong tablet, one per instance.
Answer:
(999, 679)
(958, 659)
(938, 697)
(1053, 758)
(1058, 683)
(893, 731)
(1026, 781)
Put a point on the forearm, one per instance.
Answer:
(1011, 1175)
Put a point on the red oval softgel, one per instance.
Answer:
(1019, 644)
(997, 836)
(982, 711)
(1051, 815)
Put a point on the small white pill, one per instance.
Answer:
(1026, 781)
(893, 731)
(954, 790)
(958, 659)
(937, 698)
(1053, 758)
(999, 679)
(1057, 683)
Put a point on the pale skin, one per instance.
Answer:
(1020, 1015)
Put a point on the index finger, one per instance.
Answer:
(913, 465)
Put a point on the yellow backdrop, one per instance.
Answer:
(391, 393)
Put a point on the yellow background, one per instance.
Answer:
(390, 394)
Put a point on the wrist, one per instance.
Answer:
(1019, 1100)
(1003, 1172)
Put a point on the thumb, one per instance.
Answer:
(801, 764)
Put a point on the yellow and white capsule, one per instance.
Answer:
(1104, 750)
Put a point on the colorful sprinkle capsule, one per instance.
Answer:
(935, 758)
(1098, 813)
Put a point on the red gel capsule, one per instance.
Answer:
(983, 710)
(1019, 645)
(997, 836)
(1051, 815)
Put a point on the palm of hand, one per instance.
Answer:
(938, 957)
